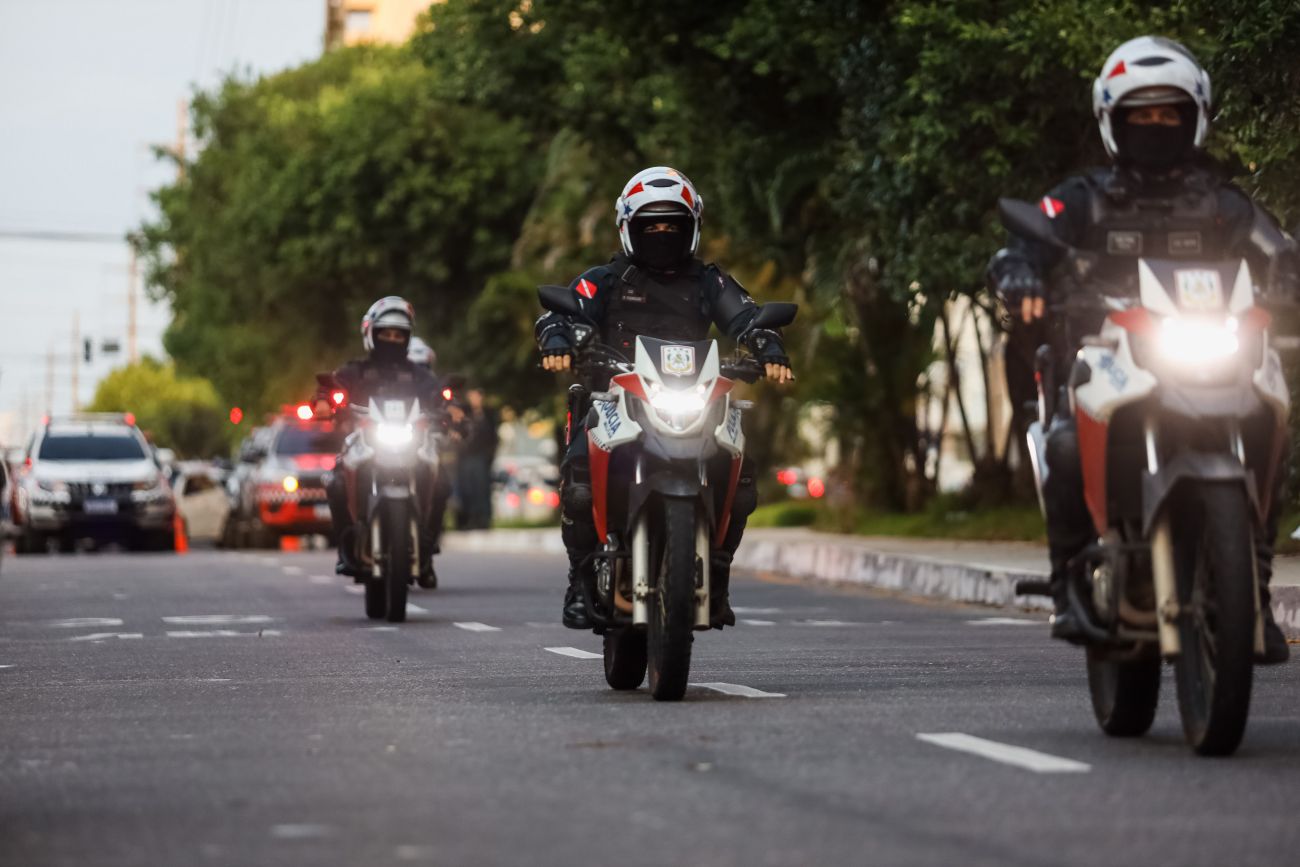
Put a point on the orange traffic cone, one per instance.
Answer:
(290, 543)
(181, 543)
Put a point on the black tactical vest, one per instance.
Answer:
(670, 307)
(1125, 225)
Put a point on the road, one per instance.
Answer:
(238, 709)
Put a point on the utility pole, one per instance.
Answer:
(182, 129)
(132, 356)
(76, 360)
(49, 380)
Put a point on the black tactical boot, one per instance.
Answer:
(1065, 622)
(575, 607)
(1276, 648)
(428, 578)
(344, 564)
(720, 613)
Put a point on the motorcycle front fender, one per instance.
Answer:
(1187, 467)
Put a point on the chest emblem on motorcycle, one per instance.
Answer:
(677, 360)
(1199, 289)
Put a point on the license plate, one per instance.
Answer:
(323, 512)
(101, 507)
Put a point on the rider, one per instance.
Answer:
(1161, 197)
(386, 336)
(657, 287)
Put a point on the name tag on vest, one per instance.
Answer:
(1184, 243)
(1124, 243)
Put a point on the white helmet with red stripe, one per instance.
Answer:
(391, 311)
(1150, 70)
(657, 190)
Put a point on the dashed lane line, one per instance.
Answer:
(291, 570)
(1020, 757)
(321, 579)
(824, 623)
(213, 619)
(354, 589)
(104, 636)
(1002, 621)
(300, 831)
(739, 690)
(6, 666)
(574, 652)
(740, 609)
(474, 626)
(82, 622)
(759, 622)
(412, 608)
(222, 633)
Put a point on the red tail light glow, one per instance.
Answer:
(816, 488)
(304, 412)
(446, 394)
(512, 501)
(553, 499)
(129, 418)
(786, 477)
(339, 397)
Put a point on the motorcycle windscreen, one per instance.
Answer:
(679, 363)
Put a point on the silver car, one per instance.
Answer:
(94, 477)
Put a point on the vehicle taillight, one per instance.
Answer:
(786, 477)
(553, 499)
(536, 496)
(339, 397)
(129, 418)
(816, 488)
(446, 394)
(305, 412)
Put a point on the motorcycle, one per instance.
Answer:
(656, 439)
(1181, 409)
(393, 446)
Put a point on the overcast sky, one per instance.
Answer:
(86, 87)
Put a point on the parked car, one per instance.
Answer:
(93, 476)
(282, 493)
(525, 489)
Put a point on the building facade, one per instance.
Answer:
(349, 22)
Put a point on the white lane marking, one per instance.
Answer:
(291, 570)
(825, 623)
(354, 589)
(574, 652)
(543, 624)
(1020, 757)
(377, 628)
(268, 561)
(408, 852)
(412, 608)
(321, 579)
(740, 609)
(740, 690)
(6, 666)
(1002, 621)
(475, 626)
(222, 633)
(299, 832)
(101, 636)
(208, 619)
(759, 622)
(80, 622)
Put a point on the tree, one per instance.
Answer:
(176, 412)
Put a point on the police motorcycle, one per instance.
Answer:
(667, 415)
(1181, 409)
(393, 446)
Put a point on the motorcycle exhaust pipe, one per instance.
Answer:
(640, 572)
(1162, 574)
(702, 576)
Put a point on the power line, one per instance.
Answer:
(61, 236)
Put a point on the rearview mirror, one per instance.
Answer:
(1026, 220)
(777, 314)
(558, 299)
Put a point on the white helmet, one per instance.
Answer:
(421, 353)
(657, 190)
(389, 312)
(1150, 70)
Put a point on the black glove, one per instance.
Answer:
(1016, 284)
(766, 346)
(555, 339)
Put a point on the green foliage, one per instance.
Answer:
(176, 412)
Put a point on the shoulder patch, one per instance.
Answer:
(586, 288)
(1051, 207)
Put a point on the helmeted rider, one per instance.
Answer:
(1161, 197)
(386, 336)
(658, 287)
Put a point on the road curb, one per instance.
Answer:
(845, 560)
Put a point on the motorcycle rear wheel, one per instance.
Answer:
(396, 531)
(1124, 694)
(1215, 571)
(672, 610)
(625, 658)
(376, 598)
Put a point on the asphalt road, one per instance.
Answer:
(239, 709)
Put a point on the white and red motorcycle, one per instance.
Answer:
(1181, 410)
(665, 445)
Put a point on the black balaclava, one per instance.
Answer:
(386, 352)
(662, 251)
(1157, 148)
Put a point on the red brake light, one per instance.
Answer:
(816, 488)
(553, 499)
(339, 397)
(305, 412)
(236, 415)
(446, 394)
(129, 418)
(786, 477)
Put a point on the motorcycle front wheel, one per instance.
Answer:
(1214, 560)
(671, 628)
(396, 532)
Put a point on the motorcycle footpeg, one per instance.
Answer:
(1033, 587)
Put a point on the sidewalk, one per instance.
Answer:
(982, 573)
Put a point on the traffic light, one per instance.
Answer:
(236, 415)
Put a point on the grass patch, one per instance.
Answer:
(944, 518)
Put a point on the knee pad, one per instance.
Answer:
(1063, 454)
(746, 499)
(577, 502)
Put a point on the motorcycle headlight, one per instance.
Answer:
(394, 435)
(680, 408)
(1193, 341)
(290, 484)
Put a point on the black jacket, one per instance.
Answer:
(362, 378)
(626, 300)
